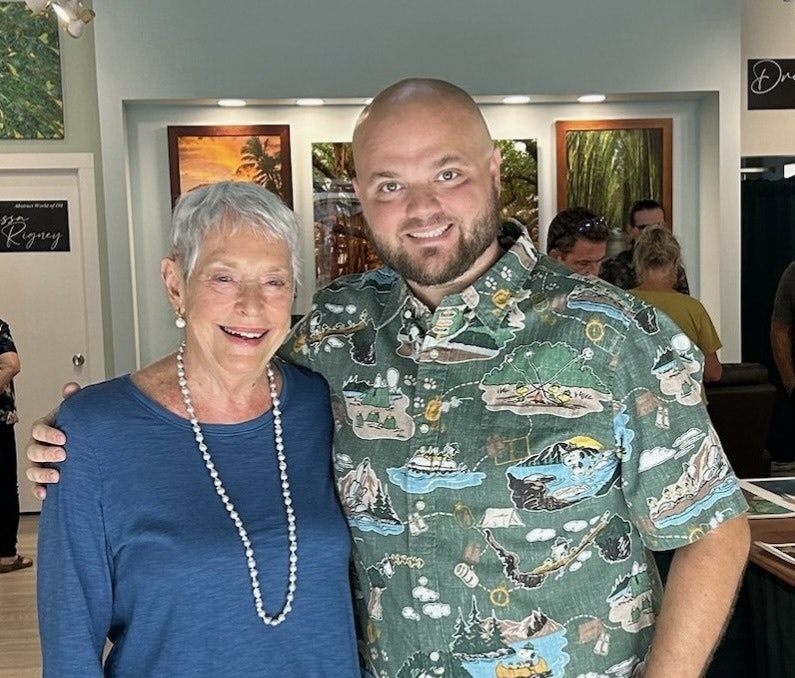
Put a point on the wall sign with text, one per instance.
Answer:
(34, 226)
(771, 84)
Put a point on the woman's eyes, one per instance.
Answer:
(229, 281)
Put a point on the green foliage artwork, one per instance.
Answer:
(606, 165)
(613, 169)
(31, 99)
(519, 182)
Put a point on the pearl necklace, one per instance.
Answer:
(292, 574)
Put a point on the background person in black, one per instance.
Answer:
(619, 270)
(10, 560)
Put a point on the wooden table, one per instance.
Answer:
(769, 587)
(776, 530)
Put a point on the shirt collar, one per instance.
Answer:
(490, 297)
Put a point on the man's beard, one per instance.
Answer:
(419, 268)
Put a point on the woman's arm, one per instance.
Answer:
(712, 367)
(74, 578)
(9, 367)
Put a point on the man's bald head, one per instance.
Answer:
(428, 179)
(418, 94)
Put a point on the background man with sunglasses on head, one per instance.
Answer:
(619, 269)
(577, 238)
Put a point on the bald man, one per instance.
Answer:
(510, 439)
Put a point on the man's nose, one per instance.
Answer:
(422, 201)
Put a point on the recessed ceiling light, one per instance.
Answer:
(591, 98)
(516, 99)
(232, 103)
(309, 102)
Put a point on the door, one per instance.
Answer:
(51, 299)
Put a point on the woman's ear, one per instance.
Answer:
(171, 273)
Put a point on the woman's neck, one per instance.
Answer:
(218, 398)
(658, 280)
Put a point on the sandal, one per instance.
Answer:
(20, 563)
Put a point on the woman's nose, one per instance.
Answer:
(250, 294)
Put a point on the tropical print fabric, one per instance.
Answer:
(506, 462)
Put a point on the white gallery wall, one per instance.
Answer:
(161, 63)
(768, 33)
(149, 191)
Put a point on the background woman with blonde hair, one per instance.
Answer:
(657, 258)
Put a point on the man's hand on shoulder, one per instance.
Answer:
(46, 445)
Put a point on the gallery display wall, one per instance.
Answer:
(150, 199)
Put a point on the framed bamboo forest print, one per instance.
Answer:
(606, 165)
(200, 155)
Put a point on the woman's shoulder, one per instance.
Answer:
(298, 373)
(96, 398)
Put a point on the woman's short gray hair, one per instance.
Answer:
(230, 204)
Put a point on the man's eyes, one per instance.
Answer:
(449, 175)
(389, 187)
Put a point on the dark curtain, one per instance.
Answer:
(768, 246)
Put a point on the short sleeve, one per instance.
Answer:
(676, 479)
(708, 339)
(6, 340)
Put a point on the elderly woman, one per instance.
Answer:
(196, 525)
(657, 258)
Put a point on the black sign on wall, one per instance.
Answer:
(34, 226)
(771, 84)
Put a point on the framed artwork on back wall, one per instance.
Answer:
(606, 165)
(204, 154)
(31, 96)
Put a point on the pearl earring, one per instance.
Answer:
(179, 321)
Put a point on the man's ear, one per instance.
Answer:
(494, 169)
(171, 273)
(555, 253)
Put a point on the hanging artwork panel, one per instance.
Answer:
(200, 155)
(606, 165)
(31, 96)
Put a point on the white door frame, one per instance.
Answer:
(78, 170)
(82, 164)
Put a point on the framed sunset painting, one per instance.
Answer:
(200, 155)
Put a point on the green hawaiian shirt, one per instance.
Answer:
(505, 464)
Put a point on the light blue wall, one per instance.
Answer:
(158, 52)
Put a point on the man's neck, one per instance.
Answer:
(432, 295)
